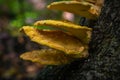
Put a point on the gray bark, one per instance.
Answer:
(104, 60)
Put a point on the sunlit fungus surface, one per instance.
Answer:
(66, 40)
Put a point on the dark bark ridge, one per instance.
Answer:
(104, 60)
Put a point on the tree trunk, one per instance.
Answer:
(104, 60)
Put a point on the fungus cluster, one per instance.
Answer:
(67, 41)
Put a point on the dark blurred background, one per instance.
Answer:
(13, 15)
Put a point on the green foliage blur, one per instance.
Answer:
(25, 12)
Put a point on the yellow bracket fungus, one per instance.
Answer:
(81, 32)
(47, 57)
(96, 5)
(66, 47)
(68, 41)
(84, 9)
(55, 39)
(90, 1)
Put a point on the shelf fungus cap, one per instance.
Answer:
(96, 5)
(47, 57)
(81, 32)
(90, 1)
(76, 7)
(55, 39)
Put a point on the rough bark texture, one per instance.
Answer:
(104, 60)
